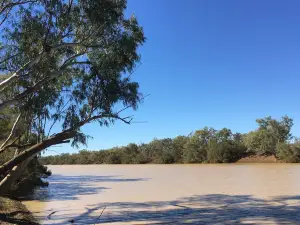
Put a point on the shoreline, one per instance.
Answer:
(248, 159)
(259, 159)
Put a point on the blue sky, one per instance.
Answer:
(210, 63)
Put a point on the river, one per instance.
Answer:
(170, 194)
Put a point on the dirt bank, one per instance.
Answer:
(14, 212)
(259, 159)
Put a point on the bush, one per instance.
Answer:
(196, 147)
(114, 158)
(261, 142)
(194, 152)
(225, 152)
(289, 153)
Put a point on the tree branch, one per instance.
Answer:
(15, 75)
(16, 146)
(56, 119)
(35, 149)
(129, 106)
(5, 17)
(12, 132)
(35, 87)
(34, 61)
(10, 145)
(13, 4)
(8, 58)
(54, 140)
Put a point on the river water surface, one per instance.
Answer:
(170, 194)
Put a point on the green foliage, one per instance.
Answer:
(203, 146)
(196, 148)
(178, 146)
(281, 130)
(66, 63)
(288, 152)
(34, 172)
(207, 145)
(71, 58)
(263, 141)
(194, 151)
(225, 147)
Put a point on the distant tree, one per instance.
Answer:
(238, 137)
(281, 130)
(288, 152)
(263, 141)
(114, 157)
(195, 150)
(160, 151)
(178, 144)
(208, 145)
(129, 154)
(224, 147)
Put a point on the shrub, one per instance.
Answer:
(288, 152)
(225, 152)
(261, 142)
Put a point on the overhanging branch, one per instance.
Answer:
(35, 149)
(35, 87)
(34, 61)
(13, 4)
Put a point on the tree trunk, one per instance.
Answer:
(12, 176)
(14, 167)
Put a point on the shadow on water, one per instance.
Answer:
(71, 187)
(199, 209)
(206, 209)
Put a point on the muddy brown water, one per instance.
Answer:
(170, 194)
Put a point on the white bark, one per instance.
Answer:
(15, 75)
(35, 87)
(11, 133)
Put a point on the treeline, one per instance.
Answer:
(272, 137)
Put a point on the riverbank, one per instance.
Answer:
(14, 212)
(259, 159)
(248, 159)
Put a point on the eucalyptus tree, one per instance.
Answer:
(280, 129)
(270, 133)
(67, 63)
(195, 149)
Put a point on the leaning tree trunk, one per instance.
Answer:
(14, 174)
(13, 169)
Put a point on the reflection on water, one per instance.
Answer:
(170, 194)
